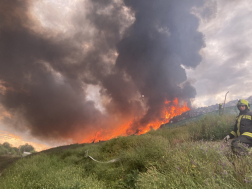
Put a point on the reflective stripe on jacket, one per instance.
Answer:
(243, 125)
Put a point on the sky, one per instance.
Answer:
(71, 68)
(226, 64)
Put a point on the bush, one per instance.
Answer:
(192, 165)
(46, 171)
(7, 146)
(3, 150)
(16, 150)
(212, 127)
(26, 148)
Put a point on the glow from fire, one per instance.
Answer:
(170, 110)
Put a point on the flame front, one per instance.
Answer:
(170, 110)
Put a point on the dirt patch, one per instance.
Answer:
(6, 161)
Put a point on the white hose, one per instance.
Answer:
(111, 161)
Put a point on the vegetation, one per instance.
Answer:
(189, 156)
(7, 149)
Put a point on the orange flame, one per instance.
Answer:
(170, 110)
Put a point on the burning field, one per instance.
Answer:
(170, 110)
(85, 71)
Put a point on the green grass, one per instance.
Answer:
(6, 161)
(189, 156)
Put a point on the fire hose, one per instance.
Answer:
(111, 161)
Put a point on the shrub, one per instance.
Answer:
(3, 150)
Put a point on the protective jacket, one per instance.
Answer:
(243, 125)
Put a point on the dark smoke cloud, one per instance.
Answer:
(163, 37)
(49, 75)
(50, 108)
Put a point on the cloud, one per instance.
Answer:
(226, 64)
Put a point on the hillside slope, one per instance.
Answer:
(191, 156)
(195, 112)
(185, 120)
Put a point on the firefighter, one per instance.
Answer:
(242, 130)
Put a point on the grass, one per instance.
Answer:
(6, 161)
(189, 156)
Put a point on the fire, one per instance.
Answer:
(170, 110)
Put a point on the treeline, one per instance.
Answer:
(7, 149)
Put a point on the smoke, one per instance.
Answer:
(124, 48)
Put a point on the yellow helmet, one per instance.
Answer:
(244, 103)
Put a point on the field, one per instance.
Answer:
(6, 161)
(189, 156)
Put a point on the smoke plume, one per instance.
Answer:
(124, 49)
